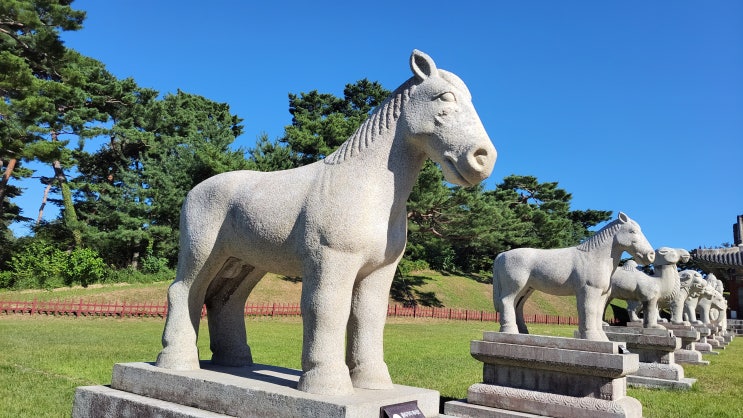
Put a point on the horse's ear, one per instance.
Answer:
(422, 65)
(622, 217)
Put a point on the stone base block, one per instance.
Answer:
(690, 357)
(463, 409)
(662, 376)
(715, 344)
(102, 401)
(684, 383)
(484, 400)
(706, 349)
(660, 371)
(531, 375)
(256, 391)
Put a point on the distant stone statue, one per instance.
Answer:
(584, 271)
(691, 285)
(339, 223)
(641, 290)
(691, 305)
(709, 308)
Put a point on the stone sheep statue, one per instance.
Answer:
(640, 289)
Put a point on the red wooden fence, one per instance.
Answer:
(82, 308)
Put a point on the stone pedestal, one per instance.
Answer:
(689, 335)
(688, 353)
(703, 345)
(656, 349)
(735, 326)
(144, 390)
(531, 375)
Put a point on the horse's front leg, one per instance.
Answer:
(591, 301)
(326, 303)
(364, 354)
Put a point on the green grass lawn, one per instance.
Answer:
(44, 358)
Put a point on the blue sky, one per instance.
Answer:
(631, 106)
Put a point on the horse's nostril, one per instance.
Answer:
(481, 156)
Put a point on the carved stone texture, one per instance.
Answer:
(656, 349)
(689, 336)
(340, 224)
(641, 290)
(699, 289)
(553, 376)
(584, 271)
(143, 390)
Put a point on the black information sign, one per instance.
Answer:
(401, 410)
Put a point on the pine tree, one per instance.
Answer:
(32, 58)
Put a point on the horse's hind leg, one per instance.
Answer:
(179, 337)
(225, 304)
(504, 297)
(364, 353)
(185, 299)
(520, 302)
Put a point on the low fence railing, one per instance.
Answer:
(123, 309)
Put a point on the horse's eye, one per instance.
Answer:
(447, 97)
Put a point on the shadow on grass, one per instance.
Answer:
(291, 279)
(404, 290)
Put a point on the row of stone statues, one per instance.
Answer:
(689, 298)
(686, 295)
(518, 373)
(340, 224)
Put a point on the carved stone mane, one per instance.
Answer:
(599, 238)
(381, 120)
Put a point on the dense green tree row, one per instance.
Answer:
(120, 159)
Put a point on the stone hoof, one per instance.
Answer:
(656, 326)
(178, 360)
(233, 358)
(326, 381)
(371, 376)
(594, 335)
(509, 329)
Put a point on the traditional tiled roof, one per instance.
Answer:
(732, 257)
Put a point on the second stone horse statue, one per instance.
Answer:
(339, 223)
(584, 271)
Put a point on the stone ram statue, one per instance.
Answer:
(639, 289)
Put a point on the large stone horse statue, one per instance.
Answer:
(339, 223)
(584, 271)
